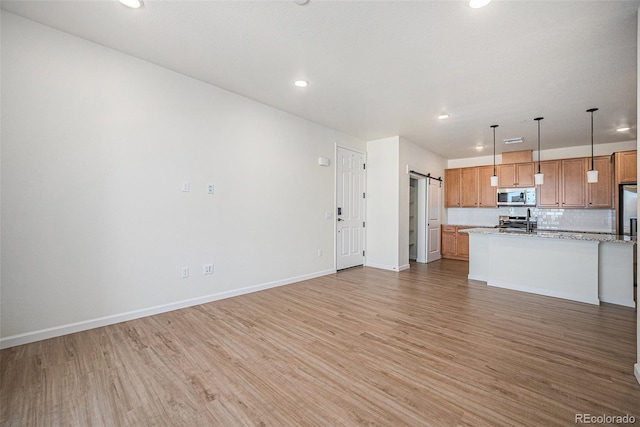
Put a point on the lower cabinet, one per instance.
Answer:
(455, 245)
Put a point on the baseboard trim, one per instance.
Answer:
(636, 371)
(43, 334)
(547, 292)
(383, 266)
(618, 301)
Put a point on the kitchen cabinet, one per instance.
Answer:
(565, 184)
(486, 193)
(548, 194)
(516, 175)
(573, 183)
(469, 187)
(448, 247)
(455, 245)
(462, 243)
(626, 167)
(600, 194)
(452, 188)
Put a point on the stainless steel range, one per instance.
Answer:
(517, 223)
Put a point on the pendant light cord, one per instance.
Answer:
(592, 110)
(537, 119)
(592, 140)
(494, 149)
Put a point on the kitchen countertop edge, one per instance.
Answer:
(546, 234)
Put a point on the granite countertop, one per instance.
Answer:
(550, 234)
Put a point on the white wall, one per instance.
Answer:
(382, 203)
(552, 154)
(95, 228)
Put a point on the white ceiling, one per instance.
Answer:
(385, 68)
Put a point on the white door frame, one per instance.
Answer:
(335, 204)
(438, 255)
(421, 222)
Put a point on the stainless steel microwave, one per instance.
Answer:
(516, 196)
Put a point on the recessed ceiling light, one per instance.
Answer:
(622, 129)
(477, 4)
(301, 83)
(301, 2)
(133, 4)
(443, 116)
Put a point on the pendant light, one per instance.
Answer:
(539, 177)
(592, 174)
(494, 178)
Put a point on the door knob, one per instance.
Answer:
(340, 219)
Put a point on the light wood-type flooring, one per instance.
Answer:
(362, 347)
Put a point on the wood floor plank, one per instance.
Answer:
(365, 346)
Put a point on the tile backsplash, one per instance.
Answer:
(593, 220)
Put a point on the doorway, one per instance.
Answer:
(413, 219)
(425, 203)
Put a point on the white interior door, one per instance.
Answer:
(434, 209)
(350, 213)
(422, 220)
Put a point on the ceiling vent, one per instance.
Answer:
(513, 140)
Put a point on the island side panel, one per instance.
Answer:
(616, 273)
(561, 268)
(480, 257)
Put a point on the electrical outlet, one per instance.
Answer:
(185, 186)
(210, 188)
(207, 269)
(184, 272)
(319, 252)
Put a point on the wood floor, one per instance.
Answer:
(361, 347)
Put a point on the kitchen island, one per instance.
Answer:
(590, 268)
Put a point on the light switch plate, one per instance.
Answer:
(207, 269)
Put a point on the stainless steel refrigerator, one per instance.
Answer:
(628, 210)
(628, 218)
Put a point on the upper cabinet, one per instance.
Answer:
(626, 167)
(600, 194)
(469, 187)
(452, 188)
(487, 195)
(516, 175)
(548, 194)
(565, 182)
(573, 183)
